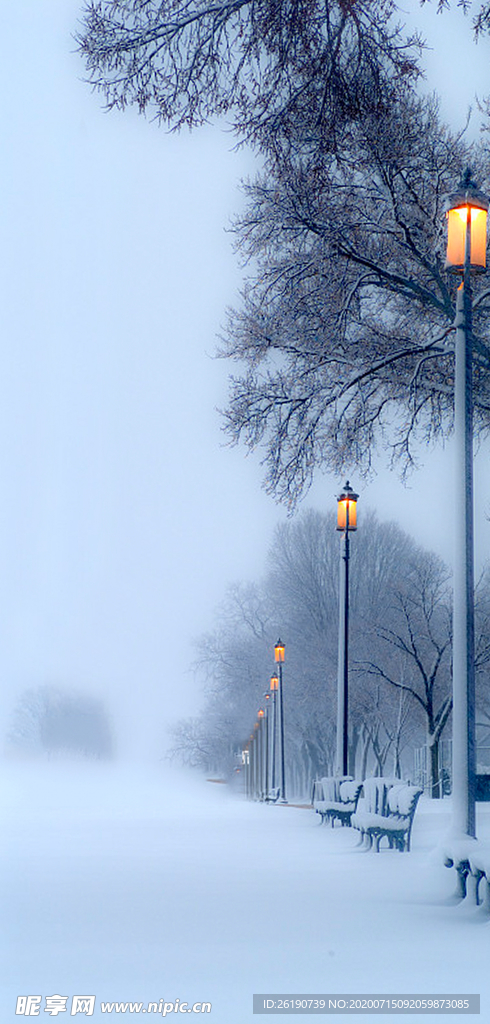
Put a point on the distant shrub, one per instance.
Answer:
(50, 720)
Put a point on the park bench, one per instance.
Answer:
(335, 798)
(471, 859)
(386, 810)
(273, 795)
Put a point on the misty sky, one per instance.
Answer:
(122, 517)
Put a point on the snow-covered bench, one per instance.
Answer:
(338, 800)
(471, 859)
(386, 810)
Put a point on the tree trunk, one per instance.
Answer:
(353, 747)
(365, 753)
(433, 768)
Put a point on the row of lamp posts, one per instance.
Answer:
(467, 211)
(263, 768)
(263, 756)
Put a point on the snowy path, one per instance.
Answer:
(141, 885)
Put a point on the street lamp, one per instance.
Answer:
(255, 751)
(466, 255)
(260, 738)
(279, 659)
(346, 521)
(274, 691)
(267, 700)
(246, 766)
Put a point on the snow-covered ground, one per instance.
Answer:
(142, 884)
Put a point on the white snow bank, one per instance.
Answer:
(142, 884)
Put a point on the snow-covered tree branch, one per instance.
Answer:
(344, 330)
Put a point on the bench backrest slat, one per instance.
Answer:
(349, 790)
(331, 786)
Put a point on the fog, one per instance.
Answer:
(122, 516)
(122, 520)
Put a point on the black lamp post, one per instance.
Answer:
(346, 521)
(260, 740)
(267, 700)
(255, 762)
(466, 255)
(279, 658)
(274, 691)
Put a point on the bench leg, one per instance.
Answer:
(462, 871)
(485, 899)
(473, 885)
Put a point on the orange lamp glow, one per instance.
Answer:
(279, 652)
(467, 211)
(274, 683)
(347, 509)
(260, 713)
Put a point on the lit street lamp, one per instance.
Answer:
(279, 658)
(245, 762)
(260, 740)
(267, 700)
(346, 521)
(274, 691)
(466, 253)
(255, 774)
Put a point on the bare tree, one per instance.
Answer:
(298, 600)
(344, 330)
(344, 326)
(269, 65)
(50, 720)
(419, 636)
(480, 12)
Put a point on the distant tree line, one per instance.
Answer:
(400, 654)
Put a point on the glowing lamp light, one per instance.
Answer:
(466, 212)
(260, 713)
(274, 683)
(279, 652)
(347, 509)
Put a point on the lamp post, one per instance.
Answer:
(267, 700)
(466, 255)
(274, 691)
(255, 774)
(346, 521)
(260, 739)
(279, 658)
(245, 766)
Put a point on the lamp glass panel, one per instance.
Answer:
(344, 506)
(456, 231)
(478, 237)
(456, 237)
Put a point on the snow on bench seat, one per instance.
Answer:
(386, 810)
(336, 797)
(343, 808)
